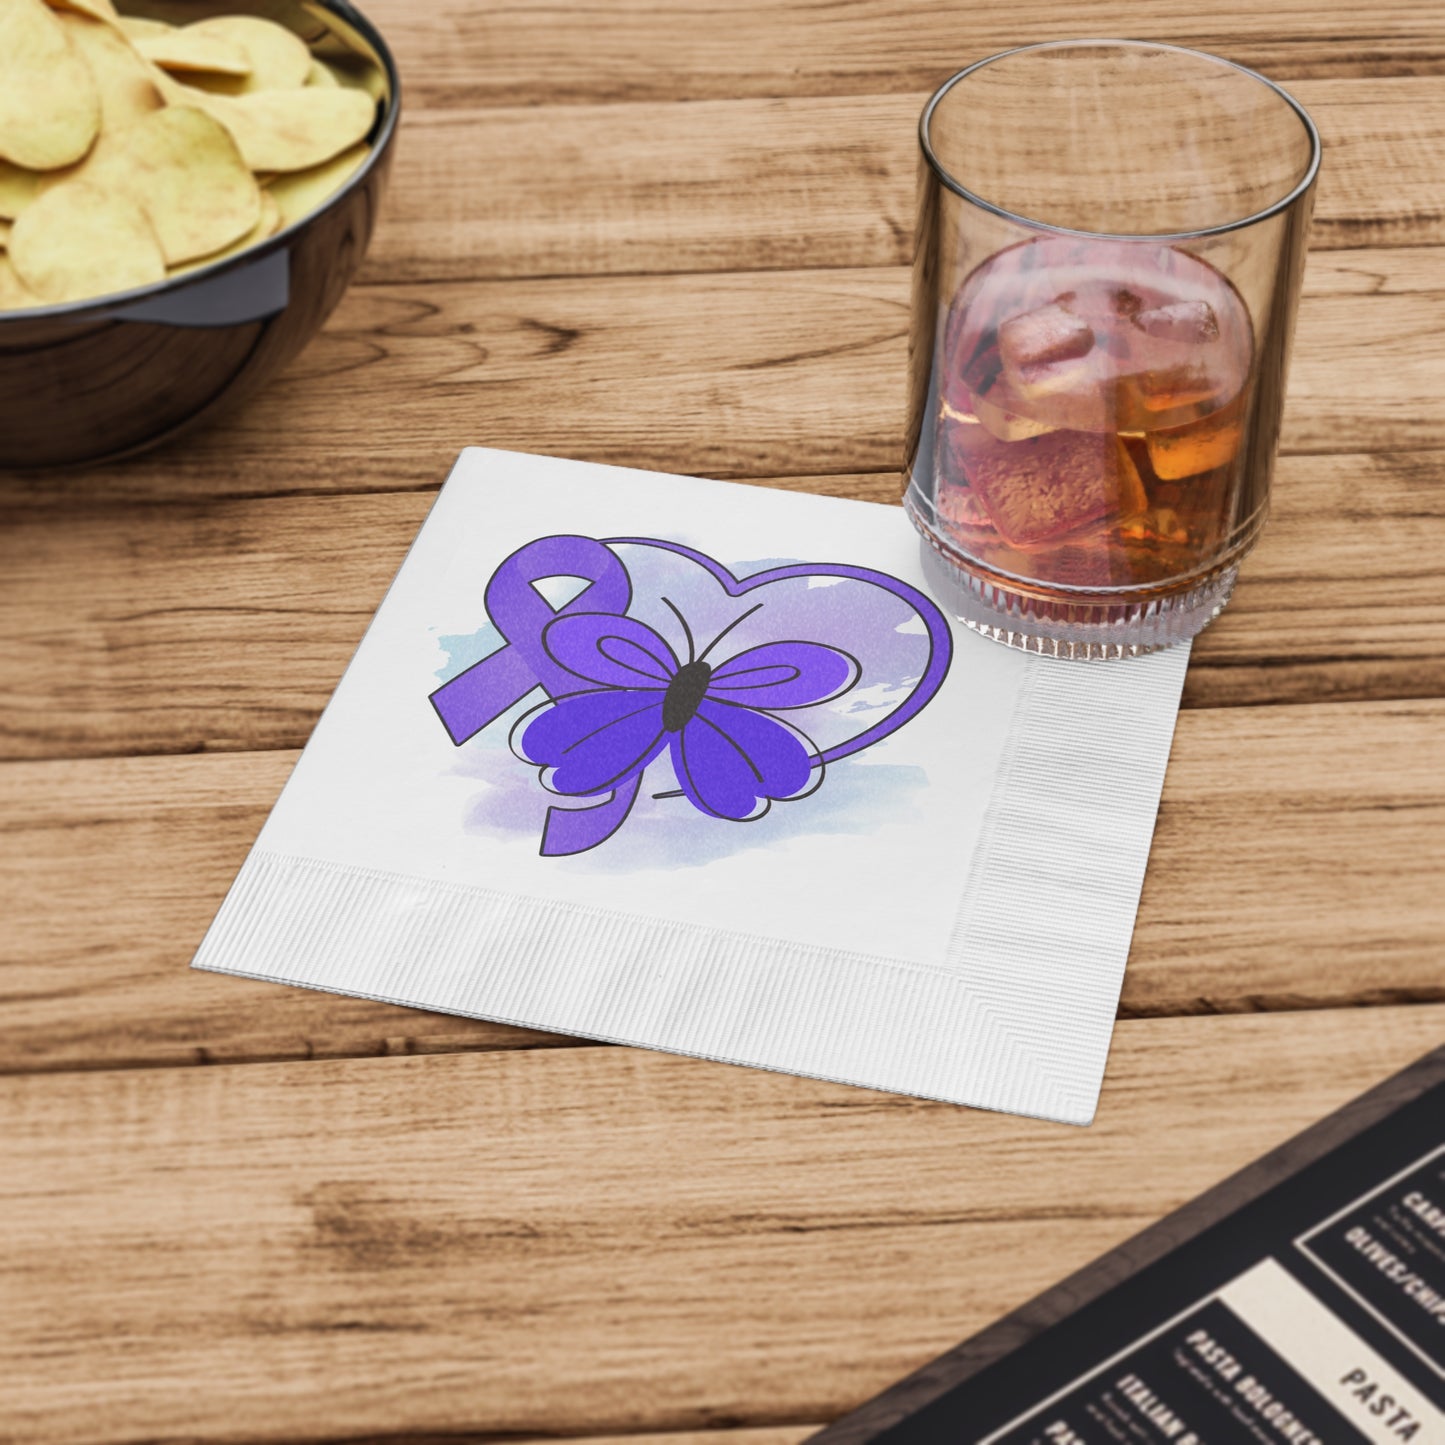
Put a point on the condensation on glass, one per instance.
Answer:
(1111, 236)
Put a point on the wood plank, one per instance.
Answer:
(1268, 885)
(749, 375)
(341, 1248)
(455, 52)
(104, 904)
(1295, 866)
(780, 184)
(1342, 599)
(225, 625)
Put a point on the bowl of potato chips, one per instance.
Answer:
(186, 190)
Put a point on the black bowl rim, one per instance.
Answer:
(98, 308)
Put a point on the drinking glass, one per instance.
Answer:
(1111, 236)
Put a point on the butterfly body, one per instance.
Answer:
(684, 695)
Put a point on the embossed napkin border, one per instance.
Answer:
(1018, 1017)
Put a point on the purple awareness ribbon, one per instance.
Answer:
(480, 695)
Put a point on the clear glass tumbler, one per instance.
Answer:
(1111, 237)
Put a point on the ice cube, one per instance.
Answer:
(1185, 451)
(963, 514)
(1192, 322)
(1073, 395)
(1039, 338)
(1074, 390)
(1048, 486)
(1172, 364)
(1006, 425)
(1172, 388)
(984, 395)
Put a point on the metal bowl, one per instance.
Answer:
(98, 379)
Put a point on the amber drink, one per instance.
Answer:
(1096, 415)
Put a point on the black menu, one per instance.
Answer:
(1300, 1303)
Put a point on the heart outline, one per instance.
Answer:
(940, 636)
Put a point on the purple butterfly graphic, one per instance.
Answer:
(732, 756)
(617, 695)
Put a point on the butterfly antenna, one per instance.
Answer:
(686, 630)
(727, 629)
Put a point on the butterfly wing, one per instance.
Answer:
(730, 759)
(591, 741)
(609, 651)
(784, 675)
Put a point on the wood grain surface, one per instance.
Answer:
(670, 234)
(561, 1241)
(208, 625)
(457, 52)
(788, 182)
(1291, 869)
(747, 374)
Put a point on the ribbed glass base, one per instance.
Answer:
(1084, 627)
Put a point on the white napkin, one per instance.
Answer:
(796, 818)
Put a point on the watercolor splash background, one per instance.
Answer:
(858, 793)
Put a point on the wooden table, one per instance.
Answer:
(674, 235)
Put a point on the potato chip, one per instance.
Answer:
(263, 230)
(190, 49)
(278, 58)
(122, 78)
(183, 169)
(49, 108)
(96, 9)
(198, 192)
(298, 193)
(79, 241)
(14, 296)
(136, 27)
(18, 187)
(283, 130)
(214, 84)
(132, 148)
